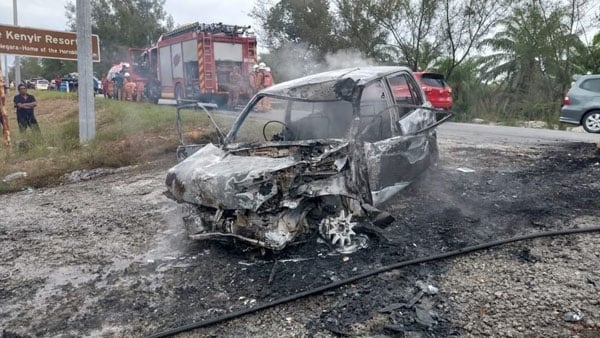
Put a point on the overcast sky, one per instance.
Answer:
(50, 14)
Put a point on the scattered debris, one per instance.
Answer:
(85, 175)
(14, 176)
(272, 274)
(465, 170)
(573, 316)
(427, 288)
(425, 314)
(392, 307)
(595, 281)
(395, 327)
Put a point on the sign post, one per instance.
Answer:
(17, 59)
(83, 47)
(45, 43)
(87, 116)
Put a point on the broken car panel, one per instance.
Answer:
(318, 153)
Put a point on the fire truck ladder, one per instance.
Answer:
(208, 61)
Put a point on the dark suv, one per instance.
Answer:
(581, 106)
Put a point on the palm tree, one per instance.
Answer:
(528, 57)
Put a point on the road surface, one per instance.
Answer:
(502, 135)
(109, 256)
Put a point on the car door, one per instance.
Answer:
(394, 161)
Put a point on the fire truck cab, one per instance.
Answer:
(194, 61)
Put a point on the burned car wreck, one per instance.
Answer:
(319, 153)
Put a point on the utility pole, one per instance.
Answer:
(17, 58)
(87, 117)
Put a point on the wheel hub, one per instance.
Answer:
(338, 229)
(593, 122)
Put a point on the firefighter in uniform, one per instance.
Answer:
(128, 87)
(235, 84)
(252, 89)
(264, 79)
(3, 115)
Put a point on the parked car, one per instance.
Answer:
(315, 154)
(41, 84)
(71, 81)
(436, 89)
(97, 86)
(581, 105)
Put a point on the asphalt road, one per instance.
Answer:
(502, 135)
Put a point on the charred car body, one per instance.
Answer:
(334, 146)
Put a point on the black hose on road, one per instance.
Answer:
(465, 250)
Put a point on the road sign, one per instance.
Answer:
(43, 43)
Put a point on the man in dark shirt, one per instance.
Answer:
(25, 104)
(119, 83)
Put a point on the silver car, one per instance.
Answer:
(582, 103)
(319, 153)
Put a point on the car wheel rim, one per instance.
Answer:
(593, 122)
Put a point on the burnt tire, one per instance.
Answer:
(591, 122)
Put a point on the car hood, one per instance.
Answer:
(246, 177)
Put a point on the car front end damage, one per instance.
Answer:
(272, 194)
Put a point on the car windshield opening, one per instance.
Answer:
(277, 119)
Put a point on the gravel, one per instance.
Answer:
(107, 256)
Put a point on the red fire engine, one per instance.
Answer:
(194, 62)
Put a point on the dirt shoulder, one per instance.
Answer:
(109, 257)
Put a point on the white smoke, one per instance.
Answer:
(347, 58)
(294, 60)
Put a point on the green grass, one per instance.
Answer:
(127, 133)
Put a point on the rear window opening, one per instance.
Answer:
(433, 80)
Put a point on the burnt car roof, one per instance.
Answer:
(297, 89)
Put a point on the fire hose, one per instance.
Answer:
(321, 289)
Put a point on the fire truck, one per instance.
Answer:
(194, 62)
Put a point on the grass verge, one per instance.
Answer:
(127, 133)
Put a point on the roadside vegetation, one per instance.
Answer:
(128, 133)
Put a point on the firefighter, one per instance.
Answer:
(264, 79)
(235, 84)
(128, 87)
(252, 85)
(139, 91)
(268, 78)
(118, 80)
(104, 82)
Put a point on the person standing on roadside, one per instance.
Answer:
(104, 82)
(57, 82)
(128, 87)
(235, 82)
(119, 83)
(264, 79)
(25, 104)
(3, 116)
(252, 81)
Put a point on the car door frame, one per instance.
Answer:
(394, 162)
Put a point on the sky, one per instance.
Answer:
(46, 14)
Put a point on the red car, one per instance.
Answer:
(436, 89)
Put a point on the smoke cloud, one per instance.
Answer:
(294, 60)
